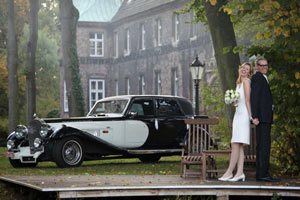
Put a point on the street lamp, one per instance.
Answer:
(197, 69)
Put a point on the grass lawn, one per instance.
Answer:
(166, 166)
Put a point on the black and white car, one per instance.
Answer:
(133, 126)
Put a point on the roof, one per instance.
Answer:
(132, 7)
(97, 10)
(145, 95)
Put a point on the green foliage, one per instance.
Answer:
(3, 130)
(282, 21)
(53, 114)
(3, 86)
(3, 27)
(273, 27)
(285, 83)
(47, 73)
(77, 89)
(275, 196)
(196, 6)
(212, 103)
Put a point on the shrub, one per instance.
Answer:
(284, 77)
(53, 114)
(3, 130)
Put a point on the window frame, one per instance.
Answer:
(158, 85)
(117, 87)
(169, 101)
(147, 99)
(95, 41)
(116, 44)
(174, 82)
(142, 37)
(158, 32)
(127, 85)
(127, 42)
(176, 27)
(96, 91)
(142, 84)
(193, 26)
(66, 104)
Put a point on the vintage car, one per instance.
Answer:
(132, 126)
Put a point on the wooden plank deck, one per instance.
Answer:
(151, 185)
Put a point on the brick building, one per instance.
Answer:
(137, 47)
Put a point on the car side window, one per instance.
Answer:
(142, 107)
(167, 107)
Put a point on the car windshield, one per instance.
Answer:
(109, 107)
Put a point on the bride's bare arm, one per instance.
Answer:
(247, 91)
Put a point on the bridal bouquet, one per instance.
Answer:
(231, 96)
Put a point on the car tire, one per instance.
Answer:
(149, 158)
(68, 152)
(18, 164)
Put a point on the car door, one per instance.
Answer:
(171, 127)
(142, 108)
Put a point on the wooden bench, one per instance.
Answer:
(200, 148)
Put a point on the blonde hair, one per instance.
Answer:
(239, 80)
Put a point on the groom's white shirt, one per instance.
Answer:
(266, 78)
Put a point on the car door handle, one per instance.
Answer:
(156, 124)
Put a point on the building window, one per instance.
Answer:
(117, 87)
(127, 85)
(66, 108)
(174, 82)
(97, 91)
(158, 32)
(116, 45)
(176, 27)
(193, 26)
(158, 88)
(142, 37)
(96, 45)
(142, 84)
(127, 42)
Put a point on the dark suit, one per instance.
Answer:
(261, 107)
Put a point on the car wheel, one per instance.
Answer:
(18, 164)
(149, 158)
(68, 152)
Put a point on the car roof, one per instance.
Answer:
(120, 97)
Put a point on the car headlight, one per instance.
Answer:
(21, 131)
(44, 131)
(37, 142)
(10, 144)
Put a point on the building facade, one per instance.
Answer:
(145, 48)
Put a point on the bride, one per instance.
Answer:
(241, 125)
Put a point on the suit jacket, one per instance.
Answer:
(261, 99)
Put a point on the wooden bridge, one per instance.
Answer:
(64, 187)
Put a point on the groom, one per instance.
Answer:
(262, 114)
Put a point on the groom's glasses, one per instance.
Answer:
(262, 65)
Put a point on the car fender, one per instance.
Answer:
(89, 141)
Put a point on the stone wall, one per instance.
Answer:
(165, 58)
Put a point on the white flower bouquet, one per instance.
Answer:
(231, 96)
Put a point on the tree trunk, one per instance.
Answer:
(31, 53)
(69, 15)
(222, 33)
(12, 61)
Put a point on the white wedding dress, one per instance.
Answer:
(241, 121)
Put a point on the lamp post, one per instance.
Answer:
(197, 69)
